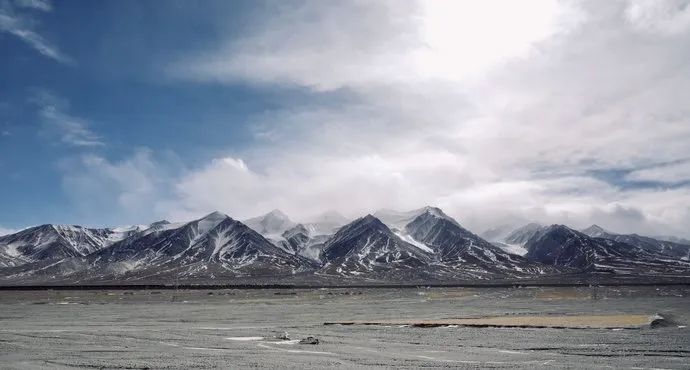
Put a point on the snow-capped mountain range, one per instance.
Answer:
(672, 248)
(422, 245)
(562, 246)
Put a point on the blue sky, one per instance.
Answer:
(109, 78)
(122, 112)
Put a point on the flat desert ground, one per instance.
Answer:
(185, 329)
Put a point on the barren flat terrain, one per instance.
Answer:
(238, 328)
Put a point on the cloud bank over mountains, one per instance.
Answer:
(568, 112)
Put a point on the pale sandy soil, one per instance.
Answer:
(237, 329)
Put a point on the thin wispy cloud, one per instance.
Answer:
(43, 5)
(16, 19)
(71, 130)
(670, 174)
(380, 43)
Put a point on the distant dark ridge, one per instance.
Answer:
(354, 286)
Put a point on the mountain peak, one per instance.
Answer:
(433, 210)
(214, 216)
(595, 227)
(436, 213)
(560, 227)
(522, 234)
(364, 223)
(277, 214)
(209, 222)
(369, 217)
(364, 245)
(272, 224)
(399, 220)
(595, 231)
(558, 230)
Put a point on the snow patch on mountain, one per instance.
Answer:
(219, 239)
(400, 219)
(409, 239)
(517, 249)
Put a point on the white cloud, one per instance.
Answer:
(123, 191)
(22, 26)
(493, 111)
(670, 173)
(305, 57)
(6, 231)
(71, 130)
(327, 46)
(665, 17)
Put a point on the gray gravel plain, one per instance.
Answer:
(139, 329)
